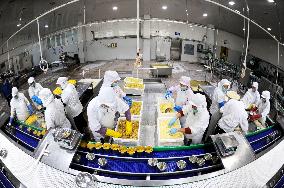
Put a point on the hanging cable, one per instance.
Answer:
(42, 62)
(247, 44)
(8, 53)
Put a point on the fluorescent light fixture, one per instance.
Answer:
(205, 14)
(164, 7)
(18, 25)
(114, 8)
(46, 26)
(269, 29)
(232, 3)
(270, 1)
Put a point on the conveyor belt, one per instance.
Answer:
(24, 138)
(262, 139)
(4, 181)
(137, 165)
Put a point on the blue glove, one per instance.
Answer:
(172, 122)
(178, 108)
(37, 100)
(169, 94)
(11, 121)
(221, 104)
(128, 100)
(173, 131)
(30, 108)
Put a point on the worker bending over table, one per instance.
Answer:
(234, 115)
(197, 119)
(54, 113)
(183, 95)
(112, 79)
(102, 112)
(20, 106)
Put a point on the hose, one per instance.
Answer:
(42, 61)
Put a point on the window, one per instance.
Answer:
(74, 36)
(63, 39)
(58, 42)
(52, 42)
(48, 43)
(68, 36)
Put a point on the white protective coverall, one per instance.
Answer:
(34, 89)
(55, 116)
(264, 107)
(109, 78)
(219, 96)
(182, 96)
(70, 97)
(234, 114)
(199, 121)
(100, 117)
(19, 106)
(251, 97)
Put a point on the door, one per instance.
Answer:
(176, 48)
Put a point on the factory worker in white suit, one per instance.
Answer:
(20, 106)
(183, 91)
(73, 105)
(262, 108)
(101, 113)
(219, 99)
(111, 79)
(234, 114)
(183, 94)
(55, 116)
(34, 89)
(197, 119)
(252, 95)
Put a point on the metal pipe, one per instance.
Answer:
(238, 13)
(8, 55)
(39, 43)
(51, 10)
(278, 62)
(246, 52)
(137, 26)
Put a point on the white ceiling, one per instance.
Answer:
(266, 14)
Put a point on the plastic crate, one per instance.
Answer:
(162, 101)
(168, 142)
(128, 142)
(130, 80)
(134, 91)
(136, 116)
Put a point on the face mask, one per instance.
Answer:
(224, 89)
(195, 111)
(183, 88)
(114, 84)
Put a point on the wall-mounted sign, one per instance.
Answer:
(177, 33)
(112, 45)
